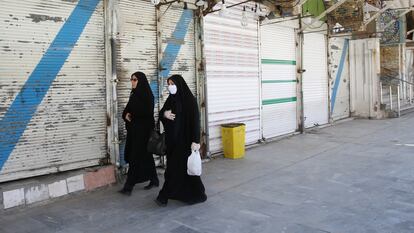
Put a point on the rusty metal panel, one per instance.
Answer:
(339, 77)
(136, 50)
(178, 46)
(364, 69)
(67, 128)
(232, 69)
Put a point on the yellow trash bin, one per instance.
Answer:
(233, 137)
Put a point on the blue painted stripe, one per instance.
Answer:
(172, 49)
(339, 74)
(21, 111)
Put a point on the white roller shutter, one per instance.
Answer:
(315, 80)
(66, 129)
(278, 57)
(136, 51)
(232, 74)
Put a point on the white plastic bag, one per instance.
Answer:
(194, 164)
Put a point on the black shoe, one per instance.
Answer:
(161, 202)
(125, 192)
(151, 185)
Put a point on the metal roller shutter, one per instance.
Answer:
(232, 63)
(53, 108)
(136, 51)
(315, 80)
(178, 46)
(278, 80)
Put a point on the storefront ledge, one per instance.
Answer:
(22, 193)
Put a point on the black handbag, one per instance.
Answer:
(156, 143)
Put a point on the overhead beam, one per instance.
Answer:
(364, 25)
(323, 14)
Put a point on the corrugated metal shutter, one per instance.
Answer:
(278, 80)
(178, 33)
(232, 63)
(68, 128)
(136, 51)
(315, 80)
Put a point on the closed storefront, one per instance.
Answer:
(52, 87)
(178, 46)
(278, 70)
(339, 78)
(232, 69)
(315, 80)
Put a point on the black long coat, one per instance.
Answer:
(180, 133)
(141, 107)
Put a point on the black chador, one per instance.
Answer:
(139, 123)
(180, 134)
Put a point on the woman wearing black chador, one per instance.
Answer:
(139, 121)
(181, 120)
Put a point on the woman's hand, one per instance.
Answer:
(195, 146)
(128, 117)
(169, 115)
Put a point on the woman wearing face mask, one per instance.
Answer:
(181, 120)
(139, 121)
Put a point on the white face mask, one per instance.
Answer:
(172, 89)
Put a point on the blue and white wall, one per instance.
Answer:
(178, 47)
(339, 78)
(53, 112)
(52, 86)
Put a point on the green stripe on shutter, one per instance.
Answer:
(278, 101)
(278, 62)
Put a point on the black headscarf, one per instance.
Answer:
(143, 89)
(184, 93)
(141, 100)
